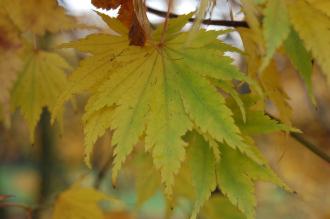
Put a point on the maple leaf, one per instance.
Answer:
(270, 81)
(79, 203)
(38, 85)
(276, 27)
(220, 207)
(38, 16)
(160, 90)
(257, 122)
(202, 165)
(236, 175)
(300, 15)
(300, 59)
(269, 78)
(252, 14)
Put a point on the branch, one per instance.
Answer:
(225, 23)
(313, 148)
(307, 144)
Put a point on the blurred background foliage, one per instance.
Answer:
(35, 174)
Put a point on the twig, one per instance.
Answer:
(307, 144)
(315, 149)
(226, 23)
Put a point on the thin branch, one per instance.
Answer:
(307, 144)
(225, 23)
(313, 148)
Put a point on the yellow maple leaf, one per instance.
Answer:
(272, 85)
(313, 28)
(38, 85)
(276, 28)
(161, 88)
(80, 203)
(38, 16)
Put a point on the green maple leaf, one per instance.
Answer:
(236, 175)
(39, 83)
(300, 59)
(202, 165)
(161, 90)
(276, 27)
(220, 207)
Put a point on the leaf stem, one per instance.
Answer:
(167, 17)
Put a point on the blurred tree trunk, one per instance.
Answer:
(47, 159)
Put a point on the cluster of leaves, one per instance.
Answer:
(175, 92)
(166, 95)
(290, 25)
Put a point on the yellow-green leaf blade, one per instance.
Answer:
(129, 117)
(207, 108)
(220, 207)
(313, 28)
(167, 123)
(79, 202)
(95, 125)
(276, 27)
(202, 166)
(38, 85)
(236, 175)
(300, 59)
